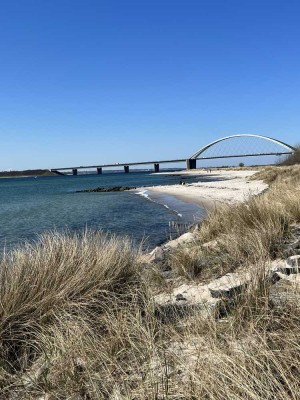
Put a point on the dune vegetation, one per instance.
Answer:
(246, 231)
(79, 319)
(294, 158)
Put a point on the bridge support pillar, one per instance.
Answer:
(191, 163)
(99, 170)
(126, 169)
(74, 171)
(156, 167)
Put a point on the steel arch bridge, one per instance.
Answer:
(204, 153)
(235, 148)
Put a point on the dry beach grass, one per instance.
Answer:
(78, 319)
(246, 231)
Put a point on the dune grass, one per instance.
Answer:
(78, 319)
(58, 298)
(242, 233)
(279, 174)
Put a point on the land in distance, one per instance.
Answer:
(27, 172)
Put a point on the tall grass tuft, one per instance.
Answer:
(57, 294)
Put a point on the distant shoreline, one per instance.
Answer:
(27, 173)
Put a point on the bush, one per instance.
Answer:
(292, 159)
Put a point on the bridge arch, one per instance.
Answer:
(288, 148)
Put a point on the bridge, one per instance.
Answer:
(249, 145)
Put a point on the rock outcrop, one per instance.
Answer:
(109, 189)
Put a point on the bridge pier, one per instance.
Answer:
(99, 170)
(74, 171)
(191, 163)
(126, 169)
(156, 167)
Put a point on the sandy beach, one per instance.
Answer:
(213, 188)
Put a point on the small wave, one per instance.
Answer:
(143, 193)
(177, 213)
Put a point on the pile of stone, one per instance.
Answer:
(220, 294)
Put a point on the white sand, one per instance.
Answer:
(222, 186)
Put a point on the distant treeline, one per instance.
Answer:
(27, 172)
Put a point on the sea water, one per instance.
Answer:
(30, 206)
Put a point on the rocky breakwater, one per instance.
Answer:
(107, 189)
(215, 298)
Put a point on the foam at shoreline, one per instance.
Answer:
(187, 212)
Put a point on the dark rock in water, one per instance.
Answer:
(109, 189)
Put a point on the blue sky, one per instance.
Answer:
(88, 82)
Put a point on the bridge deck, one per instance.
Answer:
(119, 164)
(164, 161)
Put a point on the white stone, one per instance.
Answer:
(157, 254)
(186, 294)
(228, 285)
(187, 237)
(283, 267)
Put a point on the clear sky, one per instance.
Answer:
(96, 81)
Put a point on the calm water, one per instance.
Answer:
(29, 206)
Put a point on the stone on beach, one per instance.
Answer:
(229, 285)
(187, 237)
(156, 255)
(187, 298)
(289, 266)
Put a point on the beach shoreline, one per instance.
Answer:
(212, 188)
